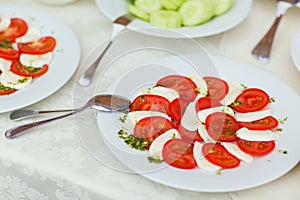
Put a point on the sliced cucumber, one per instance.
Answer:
(196, 12)
(171, 4)
(148, 5)
(222, 6)
(138, 12)
(166, 19)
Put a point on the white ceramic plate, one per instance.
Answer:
(295, 50)
(261, 171)
(115, 8)
(63, 65)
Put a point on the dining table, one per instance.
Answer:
(59, 161)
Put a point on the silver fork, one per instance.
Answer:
(119, 25)
(263, 49)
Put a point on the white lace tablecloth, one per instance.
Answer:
(51, 162)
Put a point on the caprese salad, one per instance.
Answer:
(24, 54)
(202, 122)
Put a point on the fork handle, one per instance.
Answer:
(262, 50)
(86, 78)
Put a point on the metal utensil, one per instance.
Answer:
(263, 49)
(24, 114)
(106, 103)
(119, 25)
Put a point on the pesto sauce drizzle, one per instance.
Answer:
(132, 141)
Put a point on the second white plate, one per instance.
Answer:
(115, 8)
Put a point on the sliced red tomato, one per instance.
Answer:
(218, 155)
(9, 54)
(250, 100)
(189, 136)
(179, 153)
(217, 88)
(25, 71)
(6, 90)
(18, 27)
(256, 148)
(185, 87)
(150, 102)
(42, 46)
(221, 126)
(206, 102)
(150, 128)
(177, 108)
(266, 123)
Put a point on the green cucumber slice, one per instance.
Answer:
(171, 4)
(222, 6)
(148, 5)
(138, 13)
(195, 12)
(166, 19)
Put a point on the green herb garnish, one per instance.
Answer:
(282, 121)
(154, 159)
(282, 151)
(132, 141)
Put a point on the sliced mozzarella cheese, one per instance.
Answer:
(36, 61)
(189, 119)
(4, 23)
(133, 117)
(235, 89)
(4, 65)
(253, 116)
(237, 152)
(202, 163)
(32, 35)
(201, 85)
(12, 80)
(202, 114)
(251, 135)
(204, 134)
(168, 93)
(157, 145)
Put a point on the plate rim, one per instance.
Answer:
(294, 49)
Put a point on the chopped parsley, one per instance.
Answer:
(218, 172)
(132, 141)
(5, 44)
(282, 151)
(123, 119)
(154, 159)
(279, 129)
(244, 86)
(272, 100)
(236, 103)
(282, 121)
(4, 88)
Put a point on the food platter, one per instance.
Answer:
(65, 58)
(266, 168)
(115, 8)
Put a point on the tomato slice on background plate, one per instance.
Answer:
(267, 123)
(150, 128)
(6, 90)
(150, 102)
(221, 126)
(18, 27)
(177, 108)
(256, 148)
(190, 136)
(217, 88)
(206, 102)
(179, 153)
(9, 54)
(42, 46)
(218, 155)
(250, 100)
(185, 87)
(25, 71)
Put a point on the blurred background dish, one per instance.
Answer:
(115, 8)
(295, 50)
(66, 57)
